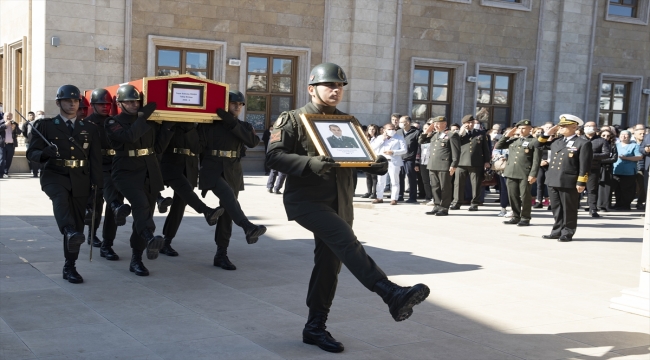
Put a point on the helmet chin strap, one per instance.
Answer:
(318, 95)
(125, 110)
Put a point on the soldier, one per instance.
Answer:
(521, 169)
(71, 164)
(567, 176)
(318, 196)
(136, 173)
(222, 173)
(444, 152)
(116, 211)
(180, 171)
(475, 156)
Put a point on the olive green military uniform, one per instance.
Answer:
(322, 205)
(474, 153)
(523, 161)
(444, 152)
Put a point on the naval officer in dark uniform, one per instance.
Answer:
(136, 172)
(71, 164)
(444, 153)
(318, 196)
(338, 141)
(116, 211)
(221, 173)
(567, 176)
(521, 170)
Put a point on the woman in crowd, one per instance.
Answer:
(371, 180)
(625, 169)
(606, 182)
(497, 155)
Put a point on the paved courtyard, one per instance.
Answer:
(497, 292)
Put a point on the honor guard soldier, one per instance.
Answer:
(567, 176)
(444, 153)
(521, 169)
(116, 211)
(475, 156)
(318, 196)
(180, 171)
(72, 162)
(136, 172)
(221, 172)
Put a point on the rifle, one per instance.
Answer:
(39, 134)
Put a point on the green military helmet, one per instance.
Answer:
(127, 92)
(68, 92)
(327, 72)
(236, 97)
(100, 96)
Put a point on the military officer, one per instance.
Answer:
(475, 156)
(180, 171)
(337, 140)
(136, 172)
(71, 164)
(521, 169)
(116, 211)
(318, 196)
(222, 173)
(444, 153)
(567, 176)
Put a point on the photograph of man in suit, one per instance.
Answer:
(337, 140)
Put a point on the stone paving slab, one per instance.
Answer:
(498, 292)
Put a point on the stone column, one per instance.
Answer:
(637, 300)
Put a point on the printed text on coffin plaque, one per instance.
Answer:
(186, 96)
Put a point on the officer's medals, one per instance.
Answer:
(526, 150)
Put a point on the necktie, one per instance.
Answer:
(70, 128)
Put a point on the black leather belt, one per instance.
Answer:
(70, 163)
(224, 153)
(182, 151)
(135, 153)
(108, 152)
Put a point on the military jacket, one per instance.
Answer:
(444, 150)
(569, 162)
(474, 149)
(126, 132)
(343, 142)
(216, 136)
(83, 144)
(99, 121)
(524, 157)
(175, 162)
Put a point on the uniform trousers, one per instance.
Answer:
(275, 180)
(541, 184)
(335, 244)
(142, 206)
(68, 210)
(564, 204)
(411, 175)
(519, 198)
(183, 195)
(426, 180)
(475, 177)
(592, 189)
(441, 187)
(233, 212)
(393, 173)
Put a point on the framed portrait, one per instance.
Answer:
(339, 137)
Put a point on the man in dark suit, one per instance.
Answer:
(600, 148)
(411, 136)
(475, 156)
(570, 163)
(9, 132)
(337, 140)
(71, 164)
(26, 129)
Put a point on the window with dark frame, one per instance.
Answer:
(270, 88)
(177, 61)
(625, 8)
(614, 98)
(432, 91)
(494, 99)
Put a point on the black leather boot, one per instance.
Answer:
(120, 212)
(400, 300)
(212, 215)
(136, 265)
(154, 243)
(106, 251)
(252, 231)
(164, 203)
(314, 333)
(73, 238)
(221, 259)
(167, 248)
(70, 273)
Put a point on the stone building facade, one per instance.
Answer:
(502, 60)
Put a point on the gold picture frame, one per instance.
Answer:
(339, 137)
(173, 92)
